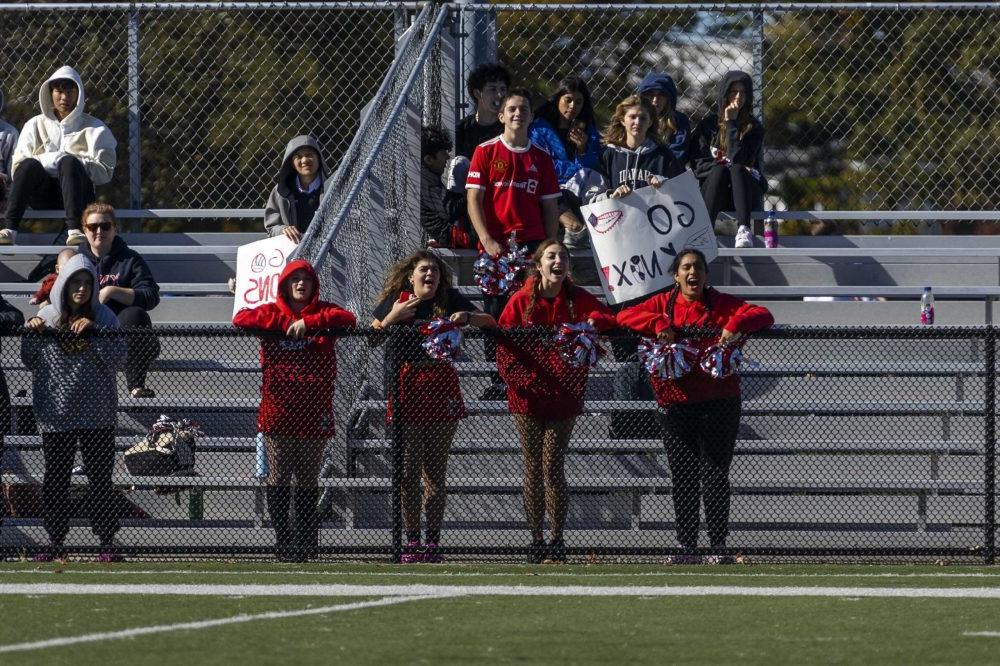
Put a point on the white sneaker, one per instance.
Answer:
(7, 236)
(744, 237)
(74, 237)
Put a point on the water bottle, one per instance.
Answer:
(196, 504)
(262, 470)
(927, 307)
(770, 230)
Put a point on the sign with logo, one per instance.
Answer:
(635, 238)
(258, 267)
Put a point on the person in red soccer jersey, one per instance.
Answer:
(544, 391)
(428, 402)
(699, 415)
(511, 187)
(296, 407)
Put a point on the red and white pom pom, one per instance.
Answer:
(444, 339)
(487, 274)
(503, 274)
(721, 360)
(667, 361)
(577, 343)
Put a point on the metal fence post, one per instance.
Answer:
(989, 476)
(477, 44)
(396, 445)
(758, 86)
(134, 115)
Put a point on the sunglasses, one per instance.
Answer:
(103, 226)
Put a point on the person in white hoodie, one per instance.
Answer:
(61, 155)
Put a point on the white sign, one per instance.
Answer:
(636, 237)
(258, 267)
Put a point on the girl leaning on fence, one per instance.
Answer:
(544, 390)
(75, 400)
(299, 372)
(424, 394)
(699, 415)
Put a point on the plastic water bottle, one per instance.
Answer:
(927, 307)
(262, 470)
(770, 230)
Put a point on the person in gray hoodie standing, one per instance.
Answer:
(75, 401)
(61, 155)
(8, 139)
(295, 198)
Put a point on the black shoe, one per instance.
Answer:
(536, 552)
(556, 552)
(494, 392)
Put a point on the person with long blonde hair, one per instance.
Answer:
(427, 401)
(545, 391)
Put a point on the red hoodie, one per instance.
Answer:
(298, 375)
(727, 312)
(539, 381)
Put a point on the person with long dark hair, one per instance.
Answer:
(726, 155)
(699, 415)
(544, 390)
(74, 395)
(427, 402)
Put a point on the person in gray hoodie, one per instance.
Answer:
(75, 400)
(295, 198)
(8, 139)
(61, 155)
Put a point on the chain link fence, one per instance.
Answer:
(866, 443)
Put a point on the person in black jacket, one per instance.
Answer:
(127, 287)
(726, 155)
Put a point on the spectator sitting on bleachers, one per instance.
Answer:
(699, 414)
(674, 126)
(296, 406)
(61, 155)
(127, 287)
(726, 152)
(41, 296)
(8, 140)
(487, 85)
(74, 395)
(295, 198)
(566, 128)
(427, 403)
(544, 391)
(442, 212)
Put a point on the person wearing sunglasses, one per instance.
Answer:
(127, 287)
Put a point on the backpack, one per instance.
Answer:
(167, 450)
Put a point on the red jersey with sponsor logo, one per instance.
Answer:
(515, 181)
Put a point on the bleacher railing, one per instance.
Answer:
(859, 443)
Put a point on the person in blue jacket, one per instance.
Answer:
(565, 127)
(674, 125)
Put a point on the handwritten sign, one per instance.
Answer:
(258, 267)
(635, 238)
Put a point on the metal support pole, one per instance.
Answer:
(989, 476)
(134, 114)
(396, 444)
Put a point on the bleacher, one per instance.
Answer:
(919, 477)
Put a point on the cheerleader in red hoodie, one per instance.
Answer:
(544, 391)
(700, 415)
(296, 407)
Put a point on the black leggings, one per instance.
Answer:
(730, 187)
(699, 439)
(59, 451)
(142, 350)
(72, 190)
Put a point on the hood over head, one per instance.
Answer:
(654, 82)
(45, 95)
(290, 268)
(71, 267)
(300, 141)
(730, 78)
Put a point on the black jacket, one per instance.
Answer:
(622, 166)
(10, 319)
(124, 267)
(705, 142)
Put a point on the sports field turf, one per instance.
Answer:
(253, 613)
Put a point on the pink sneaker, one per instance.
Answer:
(53, 555)
(432, 554)
(110, 557)
(412, 553)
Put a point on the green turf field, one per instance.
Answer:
(253, 613)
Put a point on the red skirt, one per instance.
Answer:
(428, 393)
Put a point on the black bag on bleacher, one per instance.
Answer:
(632, 383)
(168, 450)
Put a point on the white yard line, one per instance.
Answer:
(983, 634)
(201, 624)
(321, 590)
